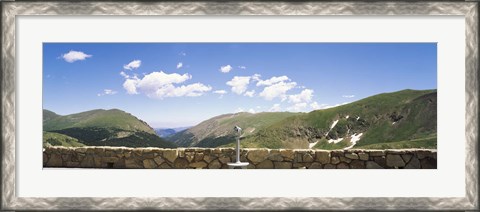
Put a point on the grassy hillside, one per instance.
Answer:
(114, 137)
(429, 142)
(418, 119)
(103, 128)
(403, 119)
(218, 130)
(113, 118)
(384, 118)
(49, 115)
(56, 139)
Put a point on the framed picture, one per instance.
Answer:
(114, 105)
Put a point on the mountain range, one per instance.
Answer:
(100, 128)
(402, 119)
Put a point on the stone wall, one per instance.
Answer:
(217, 158)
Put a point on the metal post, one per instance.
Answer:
(238, 163)
(238, 148)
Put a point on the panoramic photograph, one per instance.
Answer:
(240, 105)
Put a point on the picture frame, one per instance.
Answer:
(11, 10)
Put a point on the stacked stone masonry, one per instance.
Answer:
(217, 158)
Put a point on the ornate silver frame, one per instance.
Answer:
(10, 10)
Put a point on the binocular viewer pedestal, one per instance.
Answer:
(238, 164)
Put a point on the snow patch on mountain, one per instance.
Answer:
(354, 139)
(333, 124)
(335, 140)
(331, 127)
(311, 145)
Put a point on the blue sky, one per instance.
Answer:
(182, 84)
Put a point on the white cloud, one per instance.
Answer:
(156, 79)
(220, 91)
(272, 81)
(256, 77)
(250, 93)
(240, 110)
(239, 84)
(73, 56)
(179, 65)
(304, 96)
(226, 69)
(191, 90)
(275, 108)
(133, 65)
(298, 107)
(182, 54)
(348, 96)
(242, 67)
(130, 85)
(161, 85)
(107, 92)
(277, 90)
(124, 75)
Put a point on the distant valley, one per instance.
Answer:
(403, 119)
(165, 132)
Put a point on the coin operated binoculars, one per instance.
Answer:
(238, 164)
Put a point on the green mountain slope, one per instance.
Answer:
(56, 139)
(113, 118)
(403, 119)
(49, 115)
(385, 118)
(104, 128)
(219, 131)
